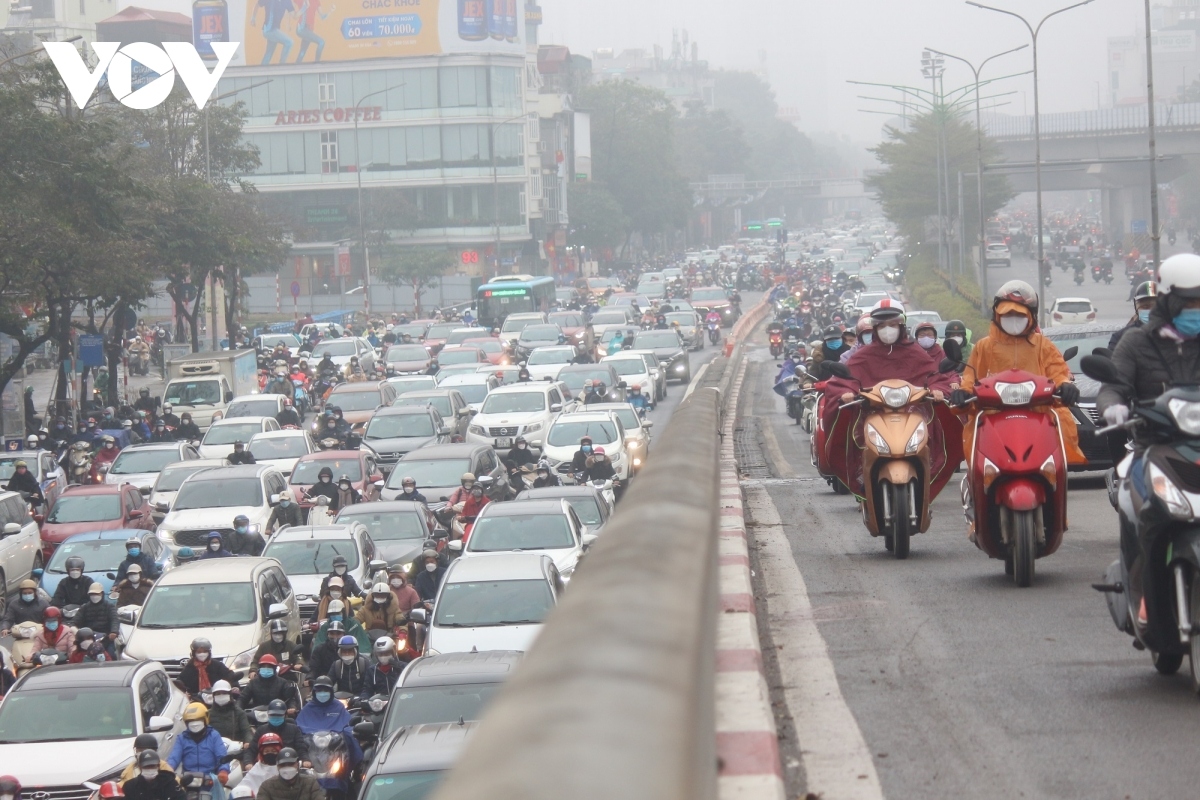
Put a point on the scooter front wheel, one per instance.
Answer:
(1167, 663)
(1024, 545)
(900, 529)
(1194, 651)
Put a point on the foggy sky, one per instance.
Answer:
(813, 48)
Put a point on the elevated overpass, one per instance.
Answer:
(1106, 150)
(800, 197)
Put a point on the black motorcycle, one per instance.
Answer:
(1153, 589)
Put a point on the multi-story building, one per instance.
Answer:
(1175, 31)
(682, 76)
(56, 20)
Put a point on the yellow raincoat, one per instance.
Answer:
(1033, 353)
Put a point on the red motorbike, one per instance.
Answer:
(776, 344)
(1017, 474)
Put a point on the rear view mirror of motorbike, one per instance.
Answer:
(953, 351)
(1099, 368)
(1070, 353)
(417, 615)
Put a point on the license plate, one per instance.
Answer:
(505, 442)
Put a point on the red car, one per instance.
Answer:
(355, 464)
(493, 347)
(93, 507)
(575, 328)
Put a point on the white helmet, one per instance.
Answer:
(1180, 274)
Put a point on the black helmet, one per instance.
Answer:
(145, 741)
(144, 391)
(85, 633)
(323, 682)
(1144, 290)
(241, 519)
(278, 626)
(287, 755)
(201, 644)
(147, 758)
(832, 332)
(955, 327)
(278, 705)
(74, 562)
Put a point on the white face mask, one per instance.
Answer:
(958, 339)
(926, 342)
(385, 660)
(84, 645)
(288, 773)
(339, 570)
(195, 726)
(409, 489)
(149, 774)
(202, 657)
(1014, 325)
(431, 567)
(335, 594)
(95, 598)
(75, 573)
(214, 546)
(888, 335)
(397, 583)
(221, 699)
(347, 659)
(134, 578)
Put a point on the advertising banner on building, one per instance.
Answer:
(311, 31)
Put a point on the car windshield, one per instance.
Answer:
(574, 379)
(307, 472)
(131, 462)
(9, 465)
(406, 352)
(551, 355)
(397, 426)
(259, 407)
(466, 355)
(218, 493)
(686, 319)
(628, 417)
(228, 434)
(312, 556)
(414, 329)
(440, 402)
(67, 715)
(649, 340)
(514, 325)
(403, 785)
(471, 392)
(170, 479)
(278, 447)
(514, 403)
(99, 555)
(436, 473)
(440, 331)
(628, 366)
(459, 335)
(364, 400)
(199, 605)
(415, 383)
(565, 433)
(520, 532)
(491, 603)
(193, 393)
(335, 348)
(1073, 306)
(425, 705)
(387, 526)
(610, 318)
(586, 509)
(1086, 341)
(486, 345)
(85, 508)
(708, 294)
(541, 333)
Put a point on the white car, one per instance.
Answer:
(492, 602)
(548, 527)
(219, 440)
(140, 464)
(604, 429)
(519, 409)
(281, 449)
(999, 255)
(1072, 311)
(340, 351)
(306, 553)
(210, 499)
(613, 317)
(167, 484)
(20, 541)
(255, 405)
(473, 386)
(546, 362)
(637, 431)
(412, 383)
(634, 368)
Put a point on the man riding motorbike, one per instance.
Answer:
(200, 749)
(1145, 296)
(240, 454)
(201, 672)
(73, 589)
(287, 415)
(225, 715)
(267, 685)
(926, 335)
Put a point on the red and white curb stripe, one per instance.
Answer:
(747, 743)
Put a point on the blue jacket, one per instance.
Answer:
(189, 755)
(331, 716)
(144, 560)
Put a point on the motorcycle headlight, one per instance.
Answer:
(914, 441)
(1186, 414)
(534, 428)
(1166, 491)
(896, 396)
(243, 660)
(377, 704)
(1016, 394)
(877, 441)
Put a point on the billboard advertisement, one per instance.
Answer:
(310, 31)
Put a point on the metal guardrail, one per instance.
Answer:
(1105, 121)
(615, 699)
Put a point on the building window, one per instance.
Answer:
(535, 183)
(535, 127)
(326, 93)
(329, 152)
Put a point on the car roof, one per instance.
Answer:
(510, 388)
(93, 488)
(280, 434)
(1072, 300)
(154, 446)
(331, 455)
(465, 379)
(421, 748)
(381, 506)
(1081, 331)
(215, 570)
(585, 416)
(490, 666)
(496, 566)
(362, 386)
(256, 396)
(116, 534)
(295, 532)
(426, 393)
(72, 676)
(403, 411)
(556, 492)
(586, 367)
(440, 451)
(525, 507)
(233, 471)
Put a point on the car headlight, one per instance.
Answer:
(1018, 394)
(1177, 505)
(896, 396)
(165, 535)
(476, 429)
(1186, 414)
(534, 428)
(579, 335)
(633, 444)
(877, 441)
(914, 441)
(254, 528)
(243, 660)
(407, 566)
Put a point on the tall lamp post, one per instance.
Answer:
(933, 68)
(979, 164)
(1034, 30)
(362, 231)
(1155, 235)
(496, 184)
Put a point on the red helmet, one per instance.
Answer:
(52, 613)
(10, 785)
(268, 660)
(268, 739)
(599, 451)
(111, 789)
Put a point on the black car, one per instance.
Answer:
(1087, 338)
(575, 375)
(399, 528)
(670, 351)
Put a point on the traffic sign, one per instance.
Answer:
(1139, 226)
(91, 350)
(295, 289)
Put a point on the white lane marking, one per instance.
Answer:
(837, 762)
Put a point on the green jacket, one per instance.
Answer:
(353, 628)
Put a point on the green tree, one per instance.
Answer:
(710, 143)
(597, 221)
(633, 154)
(414, 267)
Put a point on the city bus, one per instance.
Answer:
(513, 294)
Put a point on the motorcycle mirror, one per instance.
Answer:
(1070, 353)
(953, 351)
(443, 498)
(1099, 368)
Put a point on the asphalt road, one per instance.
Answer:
(962, 684)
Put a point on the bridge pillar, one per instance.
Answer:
(1120, 206)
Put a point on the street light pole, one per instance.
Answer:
(982, 267)
(496, 185)
(1037, 128)
(362, 231)
(1155, 238)
(932, 68)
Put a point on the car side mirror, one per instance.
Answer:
(273, 499)
(378, 484)
(622, 385)
(462, 412)
(556, 408)
(112, 576)
(647, 423)
(456, 545)
(39, 572)
(11, 527)
(589, 539)
(229, 397)
(418, 615)
(163, 507)
(377, 565)
(136, 514)
(159, 724)
(127, 616)
(443, 431)
(277, 611)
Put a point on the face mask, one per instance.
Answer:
(149, 774)
(288, 773)
(521, 447)
(888, 335)
(323, 697)
(926, 342)
(1188, 322)
(543, 475)
(587, 448)
(1014, 325)
(1143, 315)
(134, 552)
(241, 529)
(95, 598)
(325, 479)
(285, 503)
(221, 699)
(85, 645)
(26, 597)
(868, 337)
(275, 720)
(195, 726)
(396, 583)
(335, 617)
(270, 758)
(385, 660)
(266, 674)
(345, 487)
(335, 594)
(347, 659)
(134, 578)
(409, 489)
(75, 573)
(202, 657)
(958, 339)
(277, 638)
(52, 625)
(215, 546)
(431, 567)
(340, 570)
(381, 601)
(109, 446)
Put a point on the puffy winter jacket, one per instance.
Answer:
(203, 754)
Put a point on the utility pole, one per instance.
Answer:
(1155, 233)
